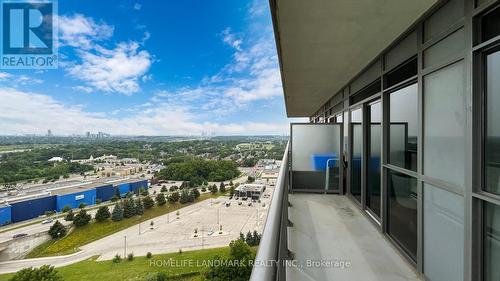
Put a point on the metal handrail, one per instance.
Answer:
(268, 260)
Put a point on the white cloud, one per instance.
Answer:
(27, 112)
(5, 75)
(82, 32)
(115, 70)
(18, 80)
(231, 39)
(137, 6)
(84, 89)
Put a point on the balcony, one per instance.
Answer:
(323, 236)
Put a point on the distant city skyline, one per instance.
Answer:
(134, 68)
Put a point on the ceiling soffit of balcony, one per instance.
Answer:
(322, 44)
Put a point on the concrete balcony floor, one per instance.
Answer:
(332, 229)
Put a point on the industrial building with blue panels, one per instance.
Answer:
(74, 199)
(5, 214)
(29, 208)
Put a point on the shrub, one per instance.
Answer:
(160, 199)
(45, 272)
(163, 189)
(130, 256)
(117, 214)
(203, 189)
(213, 189)
(82, 218)
(98, 201)
(222, 187)
(57, 230)
(69, 216)
(66, 209)
(49, 213)
(102, 214)
(196, 193)
(149, 255)
(174, 197)
(224, 270)
(82, 205)
(148, 202)
(117, 258)
(250, 179)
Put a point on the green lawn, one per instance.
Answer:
(189, 266)
(95, 231)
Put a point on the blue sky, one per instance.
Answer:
(153, 68)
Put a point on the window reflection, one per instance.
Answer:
(492, 143)
(373, 164)
(491, 242)
(357, 146)
(403, 211)
(403, 127)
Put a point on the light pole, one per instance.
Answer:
(139, 228)
(125, 246)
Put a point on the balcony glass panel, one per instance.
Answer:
(315, 156)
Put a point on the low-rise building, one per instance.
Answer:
(253, 191)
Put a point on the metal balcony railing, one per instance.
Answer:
(273, 251)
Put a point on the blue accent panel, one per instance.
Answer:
(5, 215)
(32, 208)
(134, 186)
(75, 199)
(319, 161)
(124, 188)
(105, 193)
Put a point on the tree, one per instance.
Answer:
(148, 202)
(45, 273)
(57, 230)
(66, 209)
(117, 214)
(184, 197)
(203, 189)
(160, 199)
(163, 189)
(82, 205)
(82, 218)
(196, 193)
(69, 216)
(249, 239)
(225, 270)
(250, 179)
(128, 208)
(231, 191)
(191, 195)
(242, 237)
(256, 237)
(174, 197)
(231, 183)
(139, 207)
(222, 187)
(102, 214)
(213, 189)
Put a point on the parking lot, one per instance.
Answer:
(170, 233)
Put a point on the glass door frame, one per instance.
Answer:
(364, 152)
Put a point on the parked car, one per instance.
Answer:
(239, 203)
(249, 203)
(210, 233)
(47, 221)
(228, 204)
(19, 235)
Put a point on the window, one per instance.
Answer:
(403, 127)
(401, 73)
(444, 124)
(402, 207)
(491, 244)
(490, 25)
(357, 153)
(443, 234)
(373, 158)
(492, 126)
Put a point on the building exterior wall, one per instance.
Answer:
(25, 210)
(5, 215)
(135, 186)
(124, 188)
(452, 204)
(74, 200)
(105, 193)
